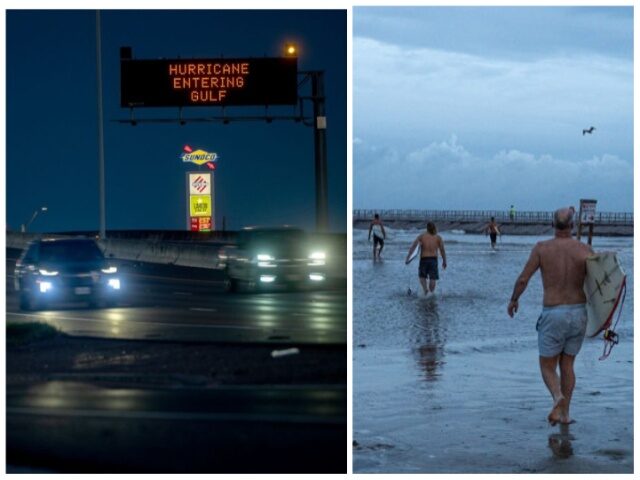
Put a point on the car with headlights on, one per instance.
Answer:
(65, 270)
(273, 257)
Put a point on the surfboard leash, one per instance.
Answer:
(610, 337)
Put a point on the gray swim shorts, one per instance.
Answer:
(561, 329)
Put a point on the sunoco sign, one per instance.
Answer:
(199, 157)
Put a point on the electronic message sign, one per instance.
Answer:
(208, 82)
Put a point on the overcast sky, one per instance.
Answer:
(481, 108)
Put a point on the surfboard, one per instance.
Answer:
(603, 287)
(415, 253)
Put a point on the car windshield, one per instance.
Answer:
(80, 251)
(272, 236)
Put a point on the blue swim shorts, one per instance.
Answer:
(561, 329)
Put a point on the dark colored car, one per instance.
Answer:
(65, 270)
(263, 257)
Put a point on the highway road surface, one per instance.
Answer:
(70, 427)
(185, 304)
(67, 424)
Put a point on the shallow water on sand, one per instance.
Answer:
(451, 383)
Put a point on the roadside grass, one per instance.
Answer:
(24, 333)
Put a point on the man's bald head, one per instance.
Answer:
(563, 218)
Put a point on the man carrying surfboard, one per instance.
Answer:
(562, 323)
(430, 242)
(379, 236)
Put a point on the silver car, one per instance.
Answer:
(268, 257)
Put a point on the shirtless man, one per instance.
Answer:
(492, 230)
(379, 235)
(430, 242)
(562, 324)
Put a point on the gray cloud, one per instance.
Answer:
(446, 175)
(519, 123)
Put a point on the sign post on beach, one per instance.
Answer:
(587, 216)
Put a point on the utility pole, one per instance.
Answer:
(320, 150)
(103, 233)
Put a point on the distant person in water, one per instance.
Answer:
(379, 235)
(561, 326)
(512, 214)
(492, 230)
(430, 242)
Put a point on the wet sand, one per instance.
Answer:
(451, 384)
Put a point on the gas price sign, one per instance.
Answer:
(208, 82)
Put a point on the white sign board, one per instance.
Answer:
(587, 211)
(199, 184)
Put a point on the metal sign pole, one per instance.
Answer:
(320, 150)
(103, 227)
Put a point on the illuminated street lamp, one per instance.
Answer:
(290, 50)
(33, 217)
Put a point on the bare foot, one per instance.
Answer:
(559, 406)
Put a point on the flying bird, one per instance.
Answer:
(588, 130)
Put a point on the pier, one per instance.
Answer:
(475, 221)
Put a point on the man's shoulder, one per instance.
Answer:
(555, 242)
(542, 243)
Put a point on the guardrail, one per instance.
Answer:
(472, 216)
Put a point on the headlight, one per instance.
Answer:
(114, 283)
(109, 270)
(317, 259)
(265, 260)
(48, 273)
(45, 287)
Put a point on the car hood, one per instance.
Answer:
(73, 267)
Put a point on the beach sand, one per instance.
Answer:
(451, 384)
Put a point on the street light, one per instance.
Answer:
(290, 50)
(33, 217)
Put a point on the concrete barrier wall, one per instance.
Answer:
(151, 251)
(199, 255)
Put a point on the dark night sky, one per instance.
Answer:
(265, 174)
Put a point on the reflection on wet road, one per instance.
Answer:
(155, 307)
(79, 427)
